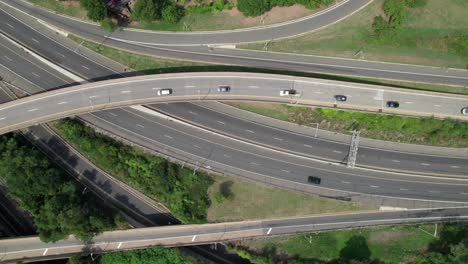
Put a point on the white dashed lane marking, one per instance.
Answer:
(454, 167)
(35, 74)
(10, 25)
(32, 110)
(403, 189)
(395, 160)
(35, 40)
(125, 92)
(280, 139)
(84, 67)
(308, 146)
(62, 103)
(168, 136)
(8, 58)
(250, 131)
(374, 186)
(336, 151)
(425, 164)
(138, 125)
(222, 123)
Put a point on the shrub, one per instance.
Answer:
(96, 9)
(253, 7)
(147, 10)
(172, 13)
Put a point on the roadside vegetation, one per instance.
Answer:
(154, 65)
(182, 191)
(187, 15)
(53, 197)
(426, 131)
(392, 245)
(154, 255)
(426, 32)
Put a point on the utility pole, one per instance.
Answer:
(353, 149)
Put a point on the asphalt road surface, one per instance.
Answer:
(204, 86)
(308, 145)
(11, 22)
(32, 248)
(318, 20)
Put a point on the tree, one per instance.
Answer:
(172, 13)
(253, 7)
(147, 10)
(97, 9)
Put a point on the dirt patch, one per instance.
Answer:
(275, 15)
(386, 236)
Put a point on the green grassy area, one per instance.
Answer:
(251, 200)
(394, 244)
(427, 131)
(154, 65)
(434, 35)
(69, 8)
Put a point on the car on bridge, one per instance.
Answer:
(288, 92)
(164, 92)
(393, 104)
(224, 89)
(314, 180)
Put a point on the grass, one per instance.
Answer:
(427, 131)
(251, 200)
(154, 65)
(69, 8)
(427, 37)
(395, 244)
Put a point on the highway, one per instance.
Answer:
(203, 86)
(317, 64)
(137, 90)
(31, 248)
(308, 145)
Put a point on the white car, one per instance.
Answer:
(164, 92)
(464, 111)
(287, 92)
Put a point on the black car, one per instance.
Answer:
(314, 180)
(340, 98)
(393, 104)
(224, 89)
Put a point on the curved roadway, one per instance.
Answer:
(11, 23)
(335, 13)
(203, 86)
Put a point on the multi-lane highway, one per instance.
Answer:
(31, 248)
(18, 10)
(204, 86)
(116, 93)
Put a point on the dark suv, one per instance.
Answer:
(314, 180)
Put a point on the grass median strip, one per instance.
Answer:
(153, 65)
(426, 131)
